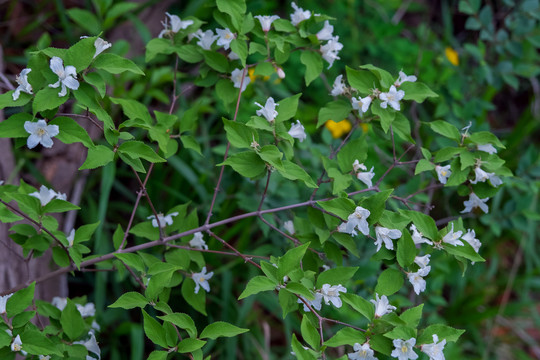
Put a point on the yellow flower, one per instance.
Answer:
(338, 129)
(365, 127)
(251, 74)
(452, 55)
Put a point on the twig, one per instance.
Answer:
(246, 258)
(215, 251)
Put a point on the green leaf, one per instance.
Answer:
(292, 171)
(158, 355)
(346, 336)
(158, 46)
(197, 301)
(445, 129)
(47, 99)
(341, 207)
(354, 150)
(314, 65)
(21, 300)
(85, 19)
(336, 276)
(271, 155)
(386, 116)
(58, 206)
(335, 110)
(299, 351)
(138, 149)
(447, 153)
(190, 345)
(287, 108)
(389, 282)
(153, 330)
(466, 251)
(71, 132)
(288, 262)
(401, 332)
(375, 204)
(98, 156)
(361, 80)
(485, 137)
(299, 289)
(189, 142)
(6, 99)
(406, 250)
(13, 127)
(412, 316)
(216, 61)
(183, 321)
(423, 165)
(134, 110)
(115, 64)
(257, 285)
(81, 54)
(71, 320)
(130, 300)
(22, 319)
(189, 53)
(424, 223)
(359, 304)
(442, 331)
(287, 301)
(226, 92)
(36, 343)
(417, 91)
(383, 76)
(235, 9)
(247, 164)
(238, 134)
(239, 47)
(310, 333)
(221, 329)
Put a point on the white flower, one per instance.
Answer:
(233, 56)
(417, 236)
(206, 38)
(1, 182)
(422, 261)
(452, 237)
(391, 97)
(164, 220)
(382, 305)
(268, 110)
(316, 303)
(91, 345)
(404, 78)
(357, 220)
(330, 50)
(297, 131)
(434, 350)
(482, 176)
(59, 302)
(470, 237)
(176, 25)
(280, 72)
(299, 14)
(490, 149)
(443, 173)
(236, 77)
(331, 294)
(201, 280)
(404, 349)
(71, 237)
(366, 177)
(361, 104)
(385, 235)
(417, 279)
(3, 302)
(473, 202)
(16, 345)
(326, 32)
(45, 195)
(338, 87)
(40, 133)
(225, 37)
(43, 357)
(357, 166)
(24, 85)
(361, 352)
(67, 77)
(266, 21)
(289, 227)
(198, 242)
(87, 310)
(101, 45)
